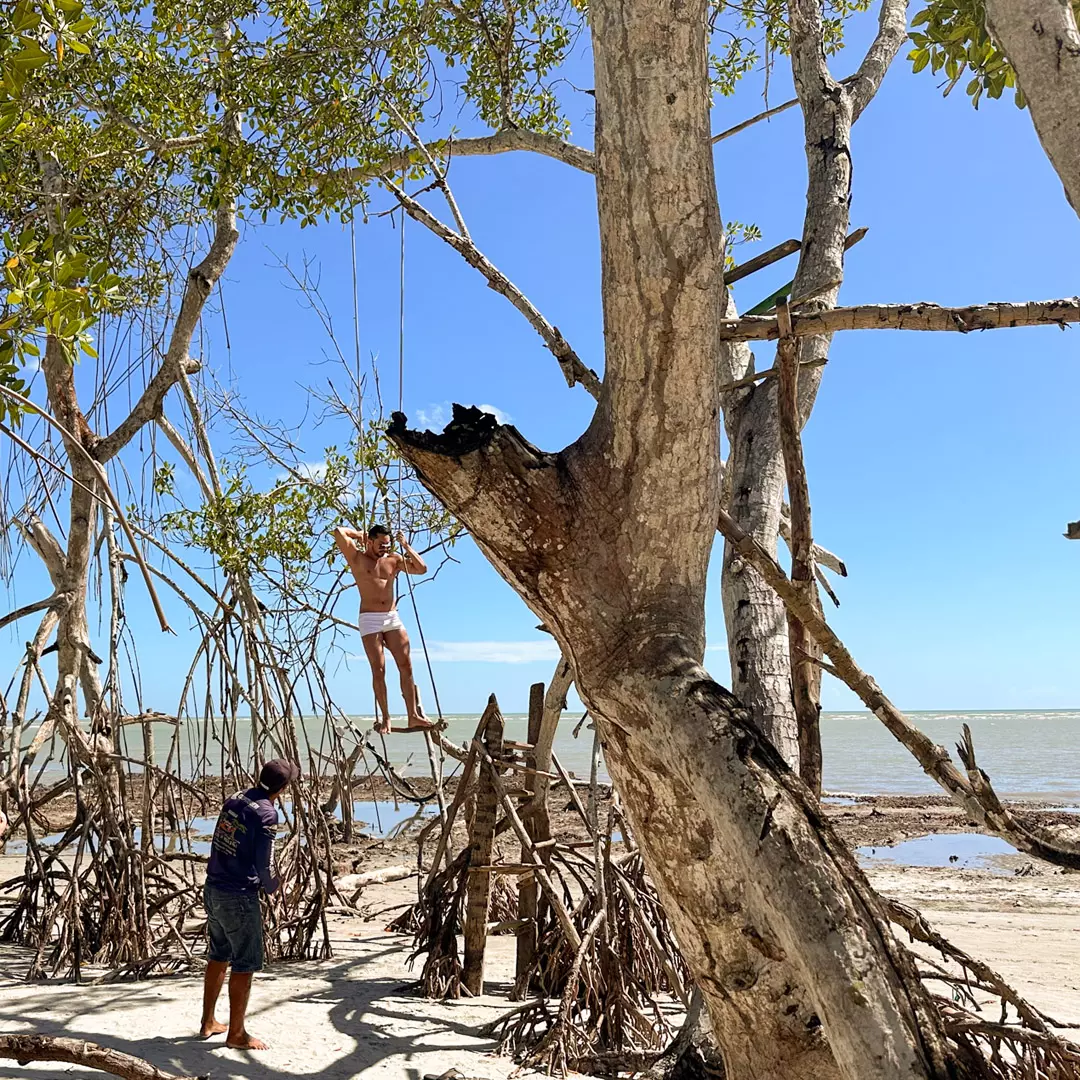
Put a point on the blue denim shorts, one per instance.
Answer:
(234, 926)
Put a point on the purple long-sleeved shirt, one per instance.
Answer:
(242, 845)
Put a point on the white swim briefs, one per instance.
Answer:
(379, 622)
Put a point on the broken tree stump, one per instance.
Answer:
(478, 897)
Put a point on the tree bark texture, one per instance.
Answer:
(1042, 42)
(608, 542)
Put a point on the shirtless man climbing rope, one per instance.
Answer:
(375, 568)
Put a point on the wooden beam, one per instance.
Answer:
(759, 262)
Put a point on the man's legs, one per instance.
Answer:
(373, 646)
(397, 641)
(212, 984)
(239, 993)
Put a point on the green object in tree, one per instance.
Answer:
(771, 300)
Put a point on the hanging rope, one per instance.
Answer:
(434, 759)
(401, 408)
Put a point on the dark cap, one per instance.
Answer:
(278, 774)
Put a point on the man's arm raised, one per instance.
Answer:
(349, 541)
(411, 563)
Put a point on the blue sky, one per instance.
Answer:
(943, 468)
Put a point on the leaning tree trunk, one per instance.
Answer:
(1042, 41)
(608, 542)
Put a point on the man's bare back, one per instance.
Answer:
(375, 568)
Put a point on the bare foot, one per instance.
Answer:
(382, 727)
(215, 1027)
(244, 1041)
(420, 724)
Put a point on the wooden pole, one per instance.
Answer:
(538, 828)
(478, 897)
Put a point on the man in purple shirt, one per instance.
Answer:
(239, 866)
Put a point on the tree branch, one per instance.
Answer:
(973, 792)
(201, 280)
(573, 368)
(48, 548)
(922, 316)
(891, 35)
(27, 609)
(156, 144)
(501, 142)
(1042, 41)
(102, 478)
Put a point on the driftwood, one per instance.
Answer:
(27, 1048)
(354, 884)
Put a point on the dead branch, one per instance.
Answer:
(573, 369)
(27, 1048)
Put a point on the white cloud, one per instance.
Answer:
(312, 470)
(433, 418)
(503, 418)
(436, 417)
(493, 652)
(716, 648)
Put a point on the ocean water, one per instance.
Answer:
(1028, 753)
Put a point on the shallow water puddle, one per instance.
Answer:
(380, 819)
(970, 851)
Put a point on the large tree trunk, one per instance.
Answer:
(608, 542)
(1042, 42)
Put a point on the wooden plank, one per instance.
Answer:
(478, 894)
